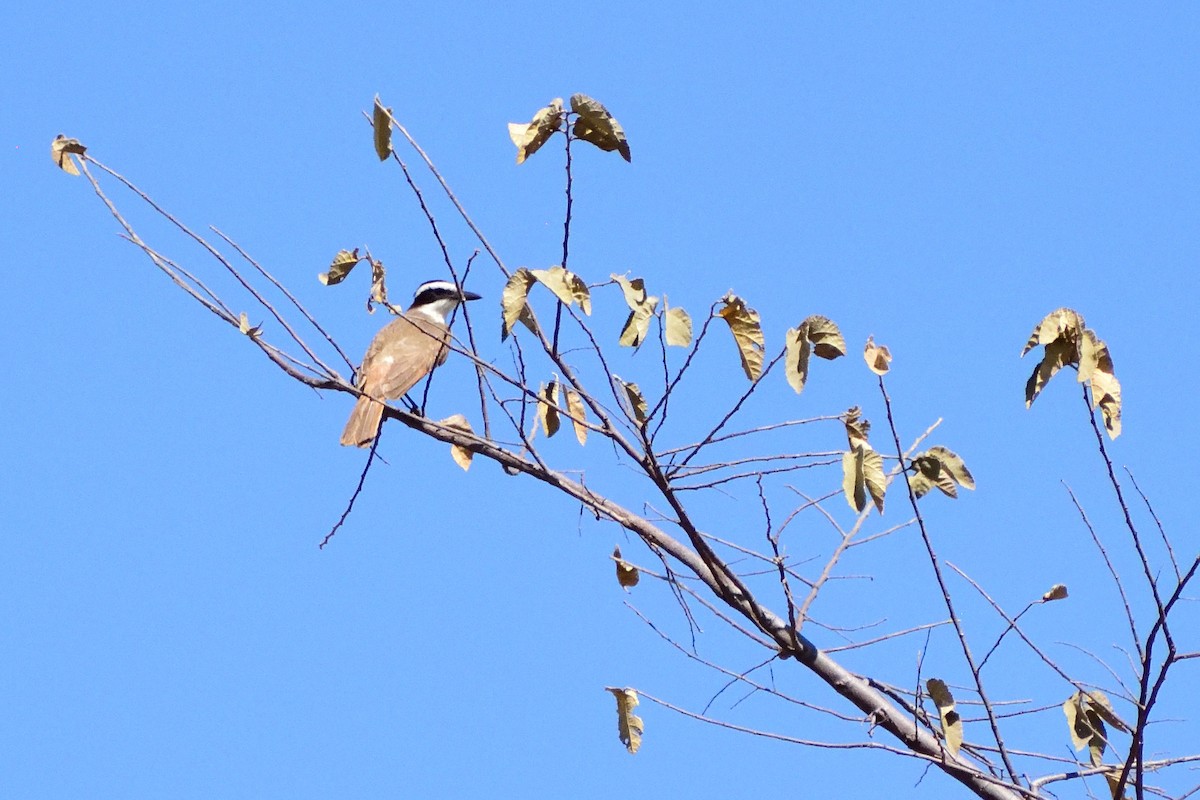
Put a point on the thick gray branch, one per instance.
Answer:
(878, 710)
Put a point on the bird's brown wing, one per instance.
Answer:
(406, 350)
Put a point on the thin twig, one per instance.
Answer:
(299, 307)
(1158, 523)
(357, 490)
(946, 599)
(1112, 571)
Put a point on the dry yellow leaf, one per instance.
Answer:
(578, 414)
(877, 356)
(629, 725)
(826, 339)
(1062, 323)
(378, 285)
(1086, 714)
(1068, 343)
(942, 468)
(1058, 354)
(928, 474)
(954, 465)
(873, 477)
(61, 150)
(637, 403)
(1099, 703)
(679, 327)
(381, 121)
(627, 574)
(245, 327)
(596, 126)
(747, 333)
(548, 408)
(1056, 592)
(818, 335)
(952, 727)
(566, 286)
(1096, 367)
(1106, 387)
(1113, 778)
(513, 301)
(461, 455)
(634, 290)
(340, 267)
(799, 349)
(530, 136)
(641, 311)
(862, 467)
(1076, 719)
(854, 483)
(857, 428)
(1086, 726)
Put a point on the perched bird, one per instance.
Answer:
(401, 354)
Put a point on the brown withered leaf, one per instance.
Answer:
(1068, 342)
(637, 403)
(1058, 354)
(634, 290)
(1060, 333)
(1096, 367)
(596, 126)
(877, 356)
(942, 468)
(566, 286)
(818, 335)
(61, 150)
(627, 574)
(1108, 389)
(747, 333)
(678, 327)
(854, 482)
(340, 267)
(513, 302)
(1056, 592)
(641, 311)
(245, 327)
(952, 727)
(1099, 703)
(461, 455)
(378, 284)
(928, 475)
(826, 339)
(954, 465)
(1085, 720)
(799, 349)
(857, 429)
(629, 725)
(578, 413)
(1062, 323)
(1113, 778)
(874, 478)
(548, 408)
(862, 467)
(530, 136)
(381, 121)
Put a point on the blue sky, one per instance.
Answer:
(937, 175)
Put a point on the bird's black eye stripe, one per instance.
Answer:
(434, 293)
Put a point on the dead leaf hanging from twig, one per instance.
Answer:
(747, 333)
(530, 136)
(629, 725)
(596, 126)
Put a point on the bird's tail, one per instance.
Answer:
(363, 425)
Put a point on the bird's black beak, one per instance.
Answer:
(469, 295)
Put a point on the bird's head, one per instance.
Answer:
(437, 299)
